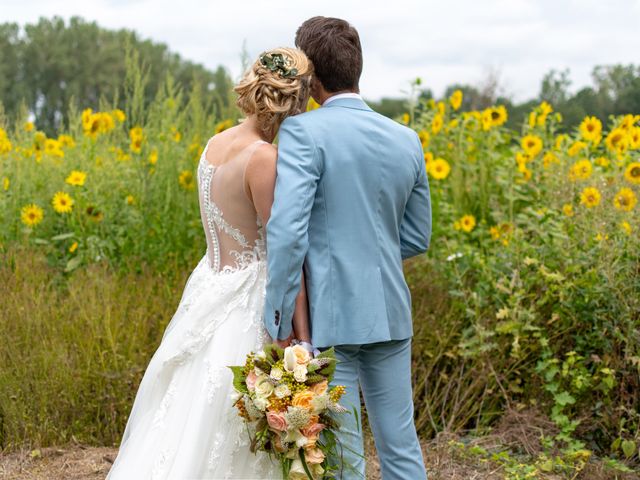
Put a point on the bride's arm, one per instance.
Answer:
(301, 329)
(260, 181)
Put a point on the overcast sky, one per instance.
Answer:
(440, 41)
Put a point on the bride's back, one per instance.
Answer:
(232, 225)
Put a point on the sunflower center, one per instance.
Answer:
(635, 172)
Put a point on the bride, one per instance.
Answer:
(183, 424)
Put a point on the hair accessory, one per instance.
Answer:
(275, 62)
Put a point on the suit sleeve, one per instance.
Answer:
(415, 228)
(298, 172)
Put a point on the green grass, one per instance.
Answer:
(74, 348)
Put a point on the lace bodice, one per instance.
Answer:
(234, 231)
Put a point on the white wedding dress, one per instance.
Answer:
(183, 424)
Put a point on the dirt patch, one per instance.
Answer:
(443, 463)
(92, 463)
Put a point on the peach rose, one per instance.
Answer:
(294, 356)
(303, 399)
(313, 456)
(277, 421)
(313, 429)
(320, 388)
(251, 381)
(302, 355)
(277, 444)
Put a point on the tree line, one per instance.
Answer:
(615, 91)
(47, 65)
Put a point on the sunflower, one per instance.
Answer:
(186, 180)
(76, 178)
(602, 162)
(62, 202)
(499, 115)
(31, 215)
(549, 159)
(531, 144)
(5, 183)
(580, 170)
(526, 173)
(634, 138)
(540, 117)
(153, 157)
(456, 99)
(590, 197)
(66, 141)
(439, 169)
(312, 105)
(94, 214)
(494, 117)
(617, 140)
(632, 173)
(576, 148)
(591, 129)
(424, 137)
(176, 136)
(626, 226)
(567, 209)
(225, 124)
(136, 136)
(523, 158)
(559, 142)
(29, 126)
(467, 223)
(53, 147)
(118, 115)
(436, 124)
(625, 199)
(73, 247)
(495, 233)
(86, 119)
(130, 200)
(428, 158)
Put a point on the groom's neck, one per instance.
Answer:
(323, 95)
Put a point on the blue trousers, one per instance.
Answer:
(383, 372)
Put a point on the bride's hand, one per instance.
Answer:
(284, 343)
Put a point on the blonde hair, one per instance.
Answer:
(270, 95)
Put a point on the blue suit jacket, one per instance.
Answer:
(351, 202)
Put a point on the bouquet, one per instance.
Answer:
(286, 402)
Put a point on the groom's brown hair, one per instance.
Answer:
(333, 45)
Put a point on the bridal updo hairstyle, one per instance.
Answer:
(275, 87)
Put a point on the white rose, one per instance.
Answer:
(261, 403)
(282, 391)
(263, 387)
(276, 373)
(300, 373)
(297, 471)
(290, 360)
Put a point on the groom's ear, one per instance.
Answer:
(317, 91)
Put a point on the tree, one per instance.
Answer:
(50, 62)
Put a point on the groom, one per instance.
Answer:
(351, 202)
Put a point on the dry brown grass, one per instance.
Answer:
(443, 463)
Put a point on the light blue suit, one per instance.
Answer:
(351, 202)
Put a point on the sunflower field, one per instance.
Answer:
(529, 299)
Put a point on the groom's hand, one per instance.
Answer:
(284, 343)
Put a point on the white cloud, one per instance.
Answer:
(442, 42)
